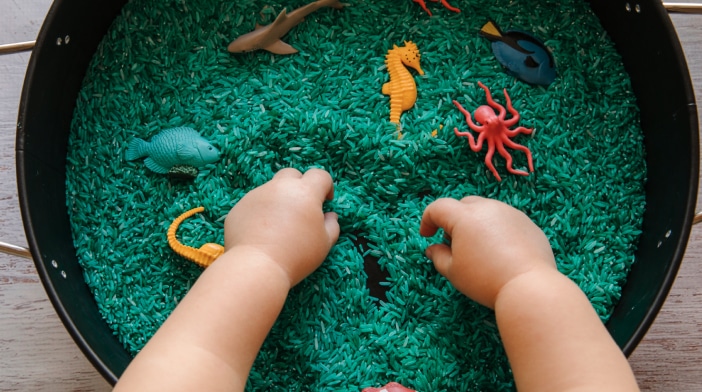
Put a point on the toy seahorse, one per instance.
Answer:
(205, 255)
(401, 88)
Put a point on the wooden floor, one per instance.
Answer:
(36, 352)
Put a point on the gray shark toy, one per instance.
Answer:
(268, 37)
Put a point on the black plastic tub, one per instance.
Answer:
(72, 30)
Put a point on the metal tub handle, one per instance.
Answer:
(17, 47)
(15, 250)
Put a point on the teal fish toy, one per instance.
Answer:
(173, 147)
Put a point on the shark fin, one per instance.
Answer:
(280, 47)
(282, 17)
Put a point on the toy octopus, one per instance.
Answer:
(496, 130)
(203, 256)
(390, 387)
(445, 3)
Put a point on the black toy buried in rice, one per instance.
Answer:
(183, 172)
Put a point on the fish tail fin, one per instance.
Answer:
(491, 31)
(137, 149)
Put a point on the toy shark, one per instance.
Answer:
(268, 37)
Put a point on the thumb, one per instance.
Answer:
(331, 224)
(441, 256)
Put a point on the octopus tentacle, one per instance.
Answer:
(517, 131)
(445, 3)
(488, 159)
(471, 139)
(475, 146)
(423, 5)
(509, 143)
(492, 102)
(515, 114)
(508, 157)
(479, 145)
(205, 255)
(448, 6)
(469, 120)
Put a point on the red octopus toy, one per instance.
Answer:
(445, 3)
(391, 387)
(496, 130)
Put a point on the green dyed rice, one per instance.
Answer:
(164, 64)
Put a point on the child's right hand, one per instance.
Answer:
(491, 244)
(551, 333)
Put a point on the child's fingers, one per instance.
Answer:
(331, 224)
(471, 199)
(440, 213)
(441, 256)
(321, 181)
(288, 172)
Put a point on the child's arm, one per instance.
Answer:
(553, 338)
(274, 237)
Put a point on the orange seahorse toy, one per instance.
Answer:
(205, 255)
(401, 88)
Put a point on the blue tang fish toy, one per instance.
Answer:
(524, 56)
(173, 147)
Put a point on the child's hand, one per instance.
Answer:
(284, 220)
(491, 243)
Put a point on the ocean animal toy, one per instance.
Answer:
(203, 256)
(401, 88)
(172, 147)
(445, 3)
(496, 130)
(268, 37)
(183, 172)
(523, 55)
(390, 387)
